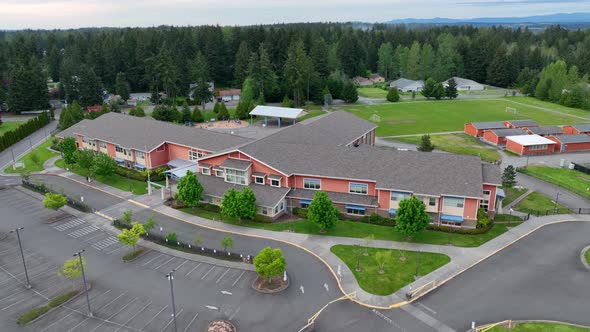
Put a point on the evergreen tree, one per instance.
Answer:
(241, 64)
(90, 88)
(393, 95)
(498, 70)
(319, 57)
(327, 96)
(287, 102)
(261, 72)
(385, 61)
(122, 86)
(427, 62)
(439, 91)
(451, 89)
(223, 112)
(70, 115)
(197, 115)
(186, 113)
(297, 71)
(349, 93)
(429, 87)
(509, 177)
(199, 73)
(413, 70)
(352, 54)
(425, 144)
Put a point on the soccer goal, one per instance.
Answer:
(511, 110)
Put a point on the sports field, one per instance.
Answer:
(417, 117)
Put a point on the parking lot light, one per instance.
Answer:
(28, 285)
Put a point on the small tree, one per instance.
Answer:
(381, 257)
(149, 224)
(127, 217)
(269, 263)
(439, 91)
(322, 212)
(428, 89)
(72, 269)
(216, 108)
(247, 204)
(197, 115)
(509, 177)
(198, 240)
(287, 102)
(54, 201)
(227, 243)
(349, 93)
(230, 205)
(223, 112)
(84, 159)
(186, 113)
(34, 156)
(68, 148)
(393, 95)
(189, 190)
(242, 110)
(411, 216)
(482, 219)
(425, 144)
(130, 237)
(103, 165)
(451, 89)
(368, 240)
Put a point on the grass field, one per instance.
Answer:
(372, 92)
(113, 180)
(418, 117)
(512, 194)
(560, 108)
(35, 159)
(311, 114)
(457, 143)
(574, 181)
(540, 327)
(8, 126)
(399, 269)
(536, 203)
(347, 228)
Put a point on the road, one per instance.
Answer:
(539, 277)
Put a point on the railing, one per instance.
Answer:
(487, 327)
(548, 212)
(165, 241)
(416, 292)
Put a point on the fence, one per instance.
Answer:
(540, 213)
(40, 187)
(164, 240)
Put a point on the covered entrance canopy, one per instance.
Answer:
(277, 112)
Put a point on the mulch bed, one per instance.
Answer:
(276, 285)
(221, 326)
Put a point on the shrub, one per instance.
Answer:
(57, 301)
(456, 230)
(132, 255)
(32, 314)
(262, 219)
(377, 219)
(302, 213)
(172, 239)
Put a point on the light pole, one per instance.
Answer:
(79, 255)
(170, 277)
(556, 200)
(22, 254)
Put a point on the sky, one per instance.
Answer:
(53, 14)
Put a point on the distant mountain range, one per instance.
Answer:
(566, 19)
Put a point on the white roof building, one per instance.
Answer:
(406, 85)
(464, 84)
(277, 112)
(528, 140)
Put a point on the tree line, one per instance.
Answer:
(24, 130)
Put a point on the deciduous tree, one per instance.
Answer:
(270, 263)
(322, 212)
(189, 190)
(411, 217)
(54, 201)
(227, 243)
(72, 269)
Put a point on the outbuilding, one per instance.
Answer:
(520, 124)
(498, 136)
(406, 85)
(476, 129)
(529, 144)
(583, 128)
(569, 143)
(277, 112)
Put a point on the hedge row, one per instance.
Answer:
(11, 137)
(157, 175)
(39, 311)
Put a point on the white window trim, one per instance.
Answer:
(314, 180)
(194, 155)
(358, 184)
(278, 180)
(454, 206)
(259, 177)
(205, 170)
(403, 192)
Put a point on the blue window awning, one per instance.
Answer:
(500, 193)
(355, 207)
(304, 201)
(451, 218)
(392, 211)
(119, 160)
(139, 166)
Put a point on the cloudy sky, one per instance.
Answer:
(49, 14)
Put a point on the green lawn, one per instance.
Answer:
(113, 180)
(572, 180)
(372, 92)
(399, 269)
(507, 217)
(512, 194)
(311, 114)
(457, 143)
(34, 160)
(9, 125)
(448, 115)
(347, 228)
(540, 327)
(536, 203)
(556, 107)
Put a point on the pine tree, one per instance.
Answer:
(122, 86)
(197, 115)
(385, 61)
(393, 95)
(425, 144)
(439, 91)
(241, 64)
(498, 70)
(509, 177)
(223, 112)
(413, 64)
(349, 93)
(451, 89)
(186, 113)
(428, 89)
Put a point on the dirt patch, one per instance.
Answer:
(277, 284)
(231, 124)
(400, 122)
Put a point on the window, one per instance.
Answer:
(312, 184)
(235, 176)
(397, 196)
(357, 211)
(487, 192)
(275, 182)
(455, 202)
(276, 209)
(538, 147)
(484, 204)
(206, 171)
(139, 154)
(304, 203)
(432, 201)
(102, 144)
(258, 180)
(219, 173)
(358, 188)
(119, 149)
(264, 210)
(194, 155)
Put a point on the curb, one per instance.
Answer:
(583, 257)
(274, 291)
(89, 287)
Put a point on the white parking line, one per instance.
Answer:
(223, 274)
(83, 231)
(109, 241)
(15, 303)
(238, 279)
(204, 275)
(69, 225)
(156, 315)
(135, 315)
(194, 268)
(151, 260)
(57, 321)
(113, 315)
(166, 262)
(171, 319)
(181, 264)
(190, 323)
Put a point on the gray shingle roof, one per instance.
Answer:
(265, 195)
(584, 127)
(546, 130)
(335, 128)
(237, 164)
(336, 197)
(491, 174)
(579, 138)
(489, 125)
(404, 82)
(419, 172)
(523, 123)
(138, 133)
(509, 132)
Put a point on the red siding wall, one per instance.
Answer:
(549, 149)
(79, 141)
(470, 208)
(111, 150)
(569, 130)
(472, 131)
(490, 137)
(575, 147)
(158, 157)
(334, 185)
(492, 202)
(514, 147)
(384, 197)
